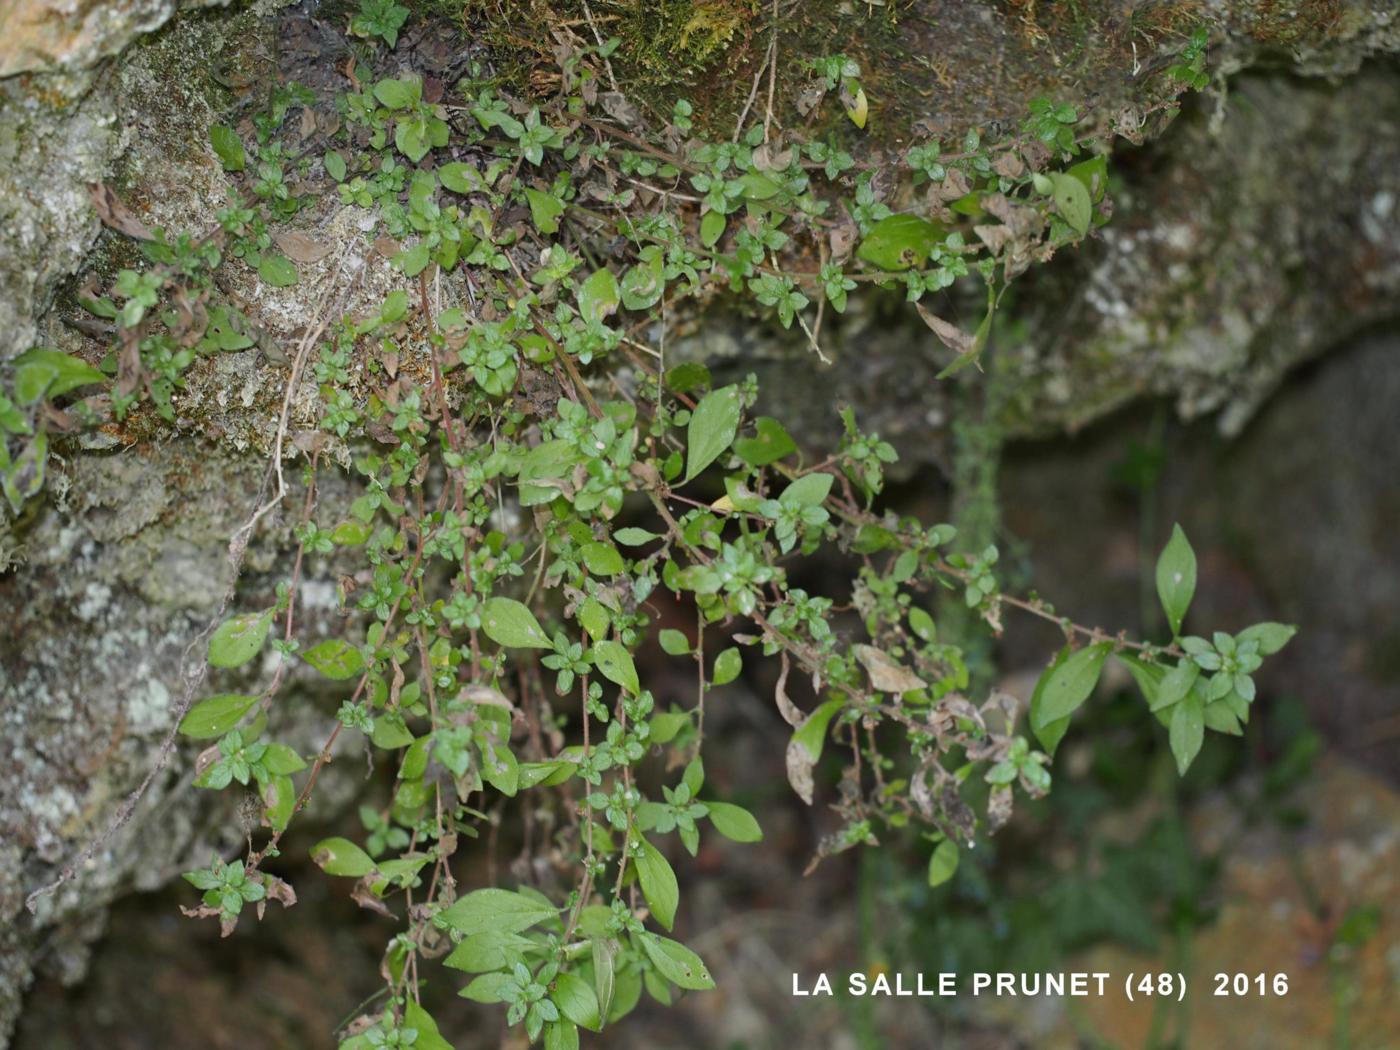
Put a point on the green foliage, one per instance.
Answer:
(379, 18)
(518, 516)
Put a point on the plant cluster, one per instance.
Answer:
(538, 483)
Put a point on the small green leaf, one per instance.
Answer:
(335, 658)
(943, 863)
(899, 242)
(728, 664)
(604, 951)
(277, 270)
(615, 664)
(1270, 637)
(1176, 578)
(677, 963)
(734, 822)
(41, 371)
(1187, 730)
(602, 559)
(461, 178)
(239, 639)
(507, 622)
(396, 94)
(807, 491)
(338, 856)
(488, 950)
(496, 909)
(418, 1019)
(228, 147)
(1068, 684)
(673, 642)
(216, 715)
(772, 443)
(634, 537)
(489, 988)
(1072, 202)
(561, 1035)
(658, 883)
(335, 165)
(577, 1001)
(598, 296)
(711, 228)
(711, 430)
(545, 210)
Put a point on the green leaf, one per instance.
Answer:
(228, 147)
(335, 658)
(734, 822)
(711, 228)
(429, 1038)
(594, 617)
(805, 748)
(545, 210)
(239, 639)
(943, 863)
(598, 296)
(504, 911)
(488, 950)
(899, 242)
(41, 371)
(577, 1001)
(1068, 684)
(673, 642)
(1176, 578)
(634, 537)
(677, 963)
(335, 165)
(279, 797)
(561, 1035)
(807, 491)
(1072, 202)
(461, 178)
(772, 443)
(1270, 637)
(507, 622)
(643, 284)
(500, 769)
(658, 883)
(604, 951)
(216, 715)
(338, 856)
(277, 270)
(489, 988)
(615, 664)
(396, 94)
(602, 559)
(1187, 730)
(711, 430)
(728, 664)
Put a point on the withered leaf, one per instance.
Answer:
(115, 214)
(301, 248)
(950, 335)
(885, 674)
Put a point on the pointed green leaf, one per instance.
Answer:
(238, 640)
(507, 622)
(711, 430)
(658, 882)
(615, 664)
(216, 715)
(1176, 578)
(943, 863)
(734, 822)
